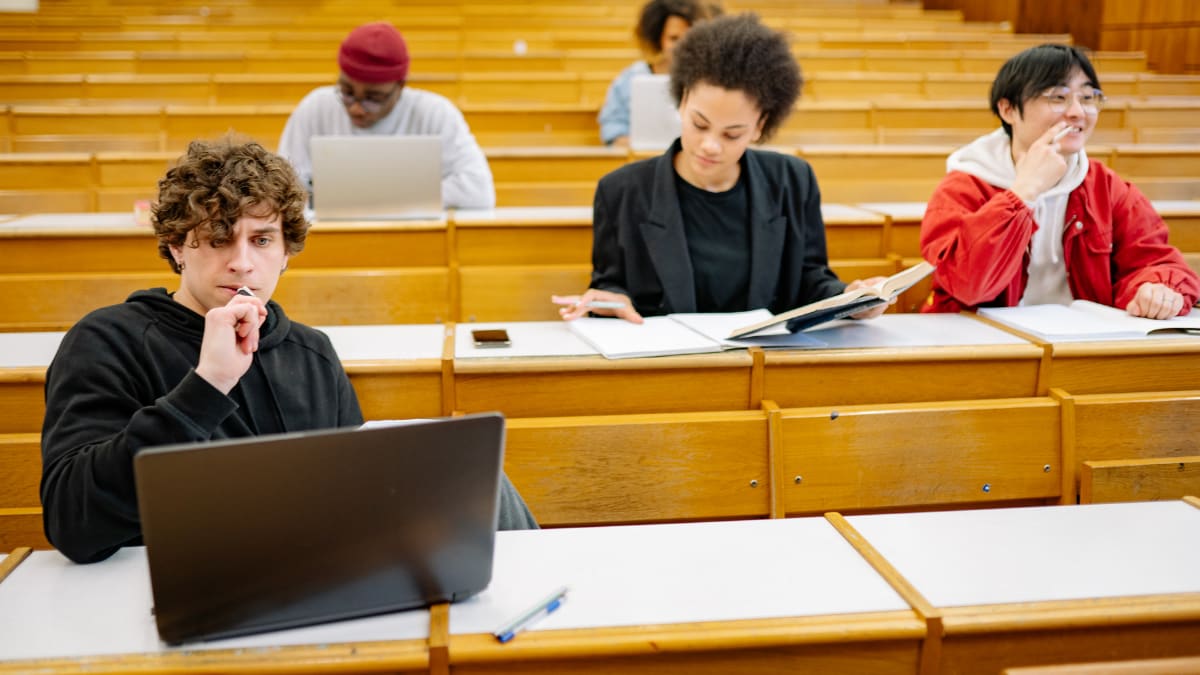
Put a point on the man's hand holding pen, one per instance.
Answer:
(230, 340)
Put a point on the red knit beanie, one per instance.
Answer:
(374, 53)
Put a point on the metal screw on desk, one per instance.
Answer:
(798, 479)
(987, 487)
(1045, 468)
(753, 483)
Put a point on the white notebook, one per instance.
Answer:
(1086, 320)
(680, 334)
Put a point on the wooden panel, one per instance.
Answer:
(22, 527)
(563, 193)
(835, 654)
(349, 296)
(516, 165)
(517, 293)
(1139, 480)
(262, 123)
(990, 653)
(22, 400)
(58, 121)
(56, 301)
(1184, 665)
(1115, 367)
(21, 466)
(1130, 426)
(45, 171)
(374, 245)
(587, 385)
(135, 170)
(45, 201)
(331, 296)
(920, 454)
(532, 244)
(134, 251)
(397, 391)
(640, 468)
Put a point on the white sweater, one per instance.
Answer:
(466, 177)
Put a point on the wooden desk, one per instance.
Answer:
(98, 618)
(1049, 584)
(575, 381)
(899, 358)
(1150, 364)
(920, 455)
(746, 596)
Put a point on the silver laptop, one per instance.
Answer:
(653, 115)
(376, 177)
(270, 532)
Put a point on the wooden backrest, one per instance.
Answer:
(920, 454)
(1139, 480)
(640, 468)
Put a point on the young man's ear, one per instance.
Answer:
(1008, 111)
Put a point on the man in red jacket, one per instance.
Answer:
(1024, 217)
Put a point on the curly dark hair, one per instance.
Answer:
(217, 182)
(656, 12)
(739, 53)
(1035, 70)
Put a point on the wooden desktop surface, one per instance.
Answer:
(939, 592)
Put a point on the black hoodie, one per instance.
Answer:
(124, 379)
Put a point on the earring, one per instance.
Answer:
(181, 265)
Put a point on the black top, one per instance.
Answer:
(123, 380)
(718, 243)
(641, 248)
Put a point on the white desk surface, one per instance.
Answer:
(843, 213)
(912, 330)
(57, 609)
(121, 220)
(23, 350)
(678, 573)
(524, 214)
(1177, 207)
(529, 338)
(995, 556)
(386, 342)
(897, 210)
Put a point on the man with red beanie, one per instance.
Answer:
(371, 99)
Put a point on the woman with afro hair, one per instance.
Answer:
(713, 225)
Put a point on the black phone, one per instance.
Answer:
(496, 337)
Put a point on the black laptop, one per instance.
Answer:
(271, 532)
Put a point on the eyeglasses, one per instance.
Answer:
(369, 105)
(1091, 100)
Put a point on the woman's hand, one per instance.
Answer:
(875, 311)
(600, 303)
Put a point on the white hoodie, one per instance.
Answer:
(989, 158)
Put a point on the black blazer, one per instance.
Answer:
(639, 247)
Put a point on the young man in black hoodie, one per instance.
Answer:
(215, 359)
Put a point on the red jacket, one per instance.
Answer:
(978, 236)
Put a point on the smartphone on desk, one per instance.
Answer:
(495, 337)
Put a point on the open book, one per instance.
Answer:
(839, 306)
(680, 334)
(1085, 320)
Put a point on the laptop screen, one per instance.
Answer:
(376, 177)
(271, 532)
(653, 115)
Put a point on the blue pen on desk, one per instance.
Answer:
(529, 616)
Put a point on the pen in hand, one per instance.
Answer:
(527, 618)
(245, 291)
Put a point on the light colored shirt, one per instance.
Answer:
(466, 176)
(614, 116)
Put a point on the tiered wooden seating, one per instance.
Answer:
(1139, 480)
